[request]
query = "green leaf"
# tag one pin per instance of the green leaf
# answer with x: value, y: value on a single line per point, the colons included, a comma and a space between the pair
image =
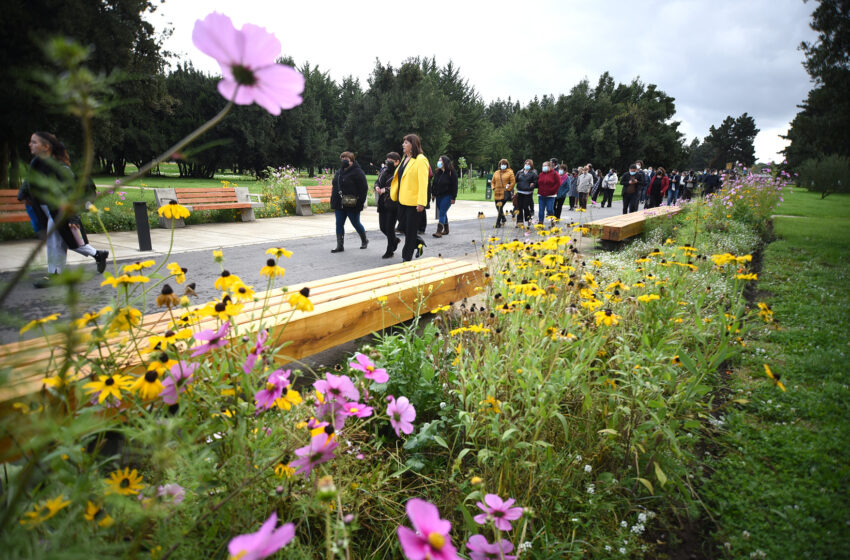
x: 509, y: 433
x: 440, y: 441
x: 609, y: 431
x: 659, y: 474
x: 646, y: 483
x: 563, y: 421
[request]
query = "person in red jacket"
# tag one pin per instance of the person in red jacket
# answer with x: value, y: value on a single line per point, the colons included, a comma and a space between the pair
x: 658, y: 185
x: 547, y: 189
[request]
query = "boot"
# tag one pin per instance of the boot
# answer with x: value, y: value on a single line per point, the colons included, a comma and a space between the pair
x: 363, y: 241
x: 446, y: 228
x: 339, y: 244
x: 420, y: 245
x: 439, y: 232
x: 100, y: 258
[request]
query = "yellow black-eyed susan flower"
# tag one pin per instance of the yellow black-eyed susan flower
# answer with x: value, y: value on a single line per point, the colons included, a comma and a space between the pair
x: 125, y: 279
x: 167, y: 297
x: 774, y: 376
x: 272, y: 269
x: 43, y: 511
x: 161, y: 342
x: 607, y: 318
x: 646, y: 298
x: 90, y: 317
x: 177, y: 271
x: 226, y: 280
x: 173, y: 211
x: 96, y: 514
x: 149, y: 385
x: 299, y: 300
x: 241, y: 292
x: 676, y: 360
x: 125, y: 482
x: 42, y: 321
x: 125, y: 319
x: 137, y: 266
x: 279, y: 252
x: 107, y: 385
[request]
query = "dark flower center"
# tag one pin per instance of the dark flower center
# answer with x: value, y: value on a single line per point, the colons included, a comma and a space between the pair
x: 497, y: 514
x: 219, y: 307
x: 225, y: 273
x: 304, y: 292
x: 243, y: 76
x: 329, y: 429
x: 151, y: 376
x: 125, y: 482
x: 163, y: 357
x: 169, y: 334
x: 167, y: 290
x: 109, y: 382
x: 270, y: 262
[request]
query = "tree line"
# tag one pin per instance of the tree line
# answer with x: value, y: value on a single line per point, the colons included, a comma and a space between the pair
x: 610, y: 124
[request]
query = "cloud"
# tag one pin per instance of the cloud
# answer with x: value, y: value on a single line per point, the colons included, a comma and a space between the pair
x: 715, y: 57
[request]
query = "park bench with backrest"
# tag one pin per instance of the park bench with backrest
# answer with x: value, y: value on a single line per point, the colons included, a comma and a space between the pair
x: 219, y: 198
x: 346, y: 307
x: 305, y: 197
x: 12, y: 209
x: 622, y: 227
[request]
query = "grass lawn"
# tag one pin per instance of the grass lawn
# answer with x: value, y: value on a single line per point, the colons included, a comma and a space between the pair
x: 782, y: 488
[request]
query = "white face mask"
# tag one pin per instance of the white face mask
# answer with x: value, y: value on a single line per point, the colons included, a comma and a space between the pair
x: 560, y: 172
x: 545, y: 169
x: 440, y: 164
x: 503, y: 167
x: 527, y: 167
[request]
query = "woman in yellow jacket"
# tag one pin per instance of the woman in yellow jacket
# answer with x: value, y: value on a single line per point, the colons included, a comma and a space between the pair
x: 503, y: 189
x: 410, y: 189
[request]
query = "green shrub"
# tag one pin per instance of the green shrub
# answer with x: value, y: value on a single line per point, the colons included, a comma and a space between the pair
x: 830, y: 174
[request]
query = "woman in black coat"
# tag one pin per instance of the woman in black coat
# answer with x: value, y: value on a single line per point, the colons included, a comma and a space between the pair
x: 387, y: 209
x: 444, y: 188
x: 51, y: 164
x: 348, y: 198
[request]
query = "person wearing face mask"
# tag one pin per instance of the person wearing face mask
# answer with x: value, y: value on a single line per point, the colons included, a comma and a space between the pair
x: 347, y: 199
x: 585, y: 183
x: 409, y: 188
x: 387, y: 209
x: 658, y: 185
x: 444, y: 188
x: 632, y: 182
x: 573, y: 192
x: 563, y: 190
x: 609, y: 184
x: 526, y: 180
x: 503, y: 189
x: 548, y: 183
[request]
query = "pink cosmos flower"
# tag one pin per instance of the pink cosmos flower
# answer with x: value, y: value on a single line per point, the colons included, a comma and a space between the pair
x: 173, y: 491
x: 401, y: 414
x: 430, y: 537
x: 213, y: 338
x: 364, y: 364
x: 333, y: 412
x: 277, y: 382
x: 180, y: 376
x: 337, y: 388
x: 263, y: 543
x: 247, y: 58
x: 481, y: 549
x: 499, y: 511
x: 357, y: 409
x: 251, y: 359
x: 319, y: 451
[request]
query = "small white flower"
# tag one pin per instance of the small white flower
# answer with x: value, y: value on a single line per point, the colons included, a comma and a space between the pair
x: 591, y: 488
x: 588, y: 468
x: 608, y: 548
x: 622, y: 550
x: 623, y: 524
x: 578, y: 458
x: 638, y: 529
x: 641, y: 517
x: 524, y: 546
x: 442, y: 405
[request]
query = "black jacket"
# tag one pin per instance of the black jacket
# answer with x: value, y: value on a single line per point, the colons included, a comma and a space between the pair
x: 384, y: 181
x: 526, y: 181
x: 37, y: 193
x: 641, y: 182
x: 350, y: 180
x: 444, y: 183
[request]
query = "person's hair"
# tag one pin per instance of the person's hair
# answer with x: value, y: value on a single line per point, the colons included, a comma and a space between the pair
x: 448, y: 167
x: 638, y: 162
x: 563, y: 166
x: 529, y: 162
x: 415, y: 144
x: 503, y: 160
x: 394, y: 156
x: 553, y: 160
x: 633, y: 166
x: 57, y: 148
x: 348, y: 155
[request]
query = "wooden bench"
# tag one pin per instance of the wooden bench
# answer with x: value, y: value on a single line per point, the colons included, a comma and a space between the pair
x: 224, y: 198
x: 305, y: 197
x: 12, y: 209
x: 624, y: 226
x: 346, y: 307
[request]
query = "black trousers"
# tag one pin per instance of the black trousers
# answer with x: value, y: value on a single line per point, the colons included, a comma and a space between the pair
x: 525, y: 207
x: 410, y: 217
x: 607, y: 195
x: 500, y: 207
x: 573, y: 202
x: 630, y: 202
x: 386, y: 221
x: 582, y: 200
x: 559, y: 205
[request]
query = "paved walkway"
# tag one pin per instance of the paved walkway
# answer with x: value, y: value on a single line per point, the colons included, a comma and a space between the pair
x: 125, y: 245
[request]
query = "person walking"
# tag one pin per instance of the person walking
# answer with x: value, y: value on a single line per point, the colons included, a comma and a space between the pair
x: 674, y: 188
x: 585, y: 183
x: 548, y: 183
x: 563, y: 190
x: 526, y: 181
x: 503, y: 189
x: 51, y: 163
x: 573, y: 192
x: 609, y: 184
x: 633, y: 185
x: 410, y: 189
x: 444, y: 187
x: 658, y: 185
x: 387, y: 209
x: 690, y: 185
x: 348, y: 198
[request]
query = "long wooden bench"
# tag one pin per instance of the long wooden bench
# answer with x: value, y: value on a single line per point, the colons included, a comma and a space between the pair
x: 346, y: 307
x: 223, y: 198
x: 621, y: 227
x: 12, y: 209
x: 306, y: 196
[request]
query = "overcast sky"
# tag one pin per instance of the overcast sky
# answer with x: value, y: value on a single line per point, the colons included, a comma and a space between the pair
x: 715, y: 57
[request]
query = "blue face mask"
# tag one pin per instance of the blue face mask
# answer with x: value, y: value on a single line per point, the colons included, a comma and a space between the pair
x: 503, y: 167
x: 527, y: 168
x: 545, y: 169
x: 632, y: 172
x: 440, y: 164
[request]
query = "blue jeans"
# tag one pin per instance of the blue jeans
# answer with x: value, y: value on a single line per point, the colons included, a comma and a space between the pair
x: 352, y: 215
x: 672, y: 195
x: 546, y: 206
x: 444, y: 202
x: 36, y: 225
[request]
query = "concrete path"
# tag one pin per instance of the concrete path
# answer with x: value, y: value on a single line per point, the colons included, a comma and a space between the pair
x: 310, y: 238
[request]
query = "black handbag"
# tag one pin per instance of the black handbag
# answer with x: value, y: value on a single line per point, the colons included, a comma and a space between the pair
x: 348, y: 200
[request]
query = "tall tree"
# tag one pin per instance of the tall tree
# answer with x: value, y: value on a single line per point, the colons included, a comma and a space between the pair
x: 733, y: 141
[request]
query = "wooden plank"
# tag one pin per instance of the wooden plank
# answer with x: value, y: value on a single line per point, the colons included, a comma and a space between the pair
x: 223, y: 206
x: 344, y: 309
x: 621, y: 227
x: 8, y: 217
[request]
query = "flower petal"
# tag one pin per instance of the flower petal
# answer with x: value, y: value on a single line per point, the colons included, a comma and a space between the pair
x: 215, y: 36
